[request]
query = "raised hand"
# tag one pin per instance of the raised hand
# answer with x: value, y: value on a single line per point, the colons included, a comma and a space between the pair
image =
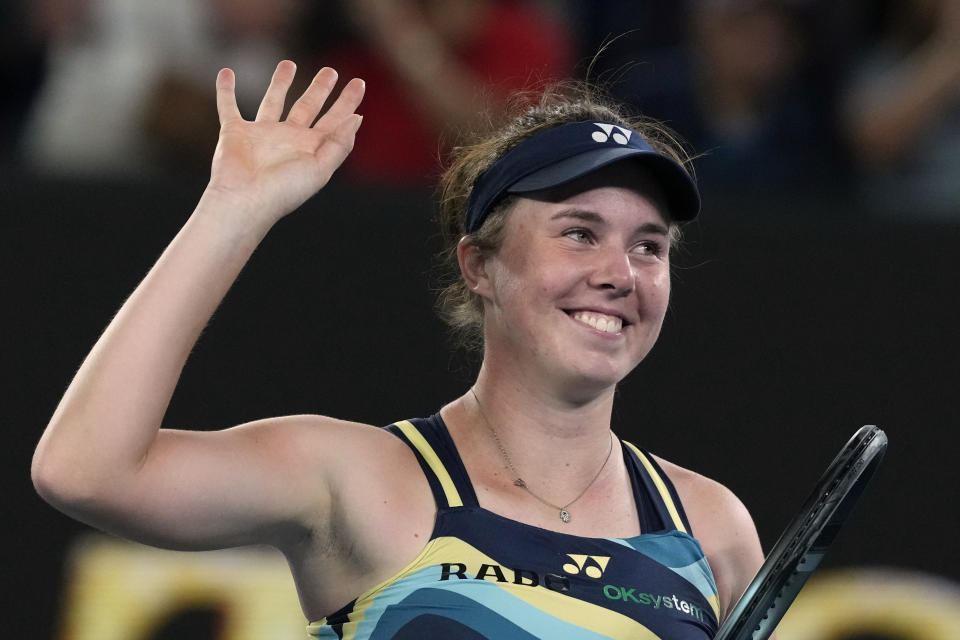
x: 275, y: 165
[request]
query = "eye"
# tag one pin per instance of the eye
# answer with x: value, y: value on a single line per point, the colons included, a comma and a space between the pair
x: 579, y: 234
x: 650, y: 248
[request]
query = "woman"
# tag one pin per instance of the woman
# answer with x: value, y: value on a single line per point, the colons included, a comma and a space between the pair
x: 512, y: 513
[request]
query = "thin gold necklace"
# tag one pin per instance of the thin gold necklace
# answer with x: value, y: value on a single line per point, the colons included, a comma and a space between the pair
x: 518, y: 481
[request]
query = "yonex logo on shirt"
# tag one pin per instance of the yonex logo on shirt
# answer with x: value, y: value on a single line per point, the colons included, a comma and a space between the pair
x: 620, y: 136
x: 591, y: 566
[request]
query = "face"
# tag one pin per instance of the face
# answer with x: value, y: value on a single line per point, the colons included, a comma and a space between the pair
x: 577, y: 293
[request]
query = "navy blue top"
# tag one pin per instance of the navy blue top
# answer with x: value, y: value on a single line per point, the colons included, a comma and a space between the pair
x: 482, y: 575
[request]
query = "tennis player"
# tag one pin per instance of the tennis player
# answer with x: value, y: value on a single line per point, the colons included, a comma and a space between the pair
x: 515, y: 511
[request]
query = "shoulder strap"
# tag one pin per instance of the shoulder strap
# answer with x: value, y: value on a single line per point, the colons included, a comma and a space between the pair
x: 438, y: 458
x: 659, y: 489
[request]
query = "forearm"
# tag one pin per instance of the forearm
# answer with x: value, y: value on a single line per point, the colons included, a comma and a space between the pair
x: 443, y: 87
x: 886, y: 118
x: 112, y: 410
x: 421, y: 58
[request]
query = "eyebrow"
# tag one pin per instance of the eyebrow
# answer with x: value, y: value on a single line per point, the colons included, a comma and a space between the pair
x: 594, y: 217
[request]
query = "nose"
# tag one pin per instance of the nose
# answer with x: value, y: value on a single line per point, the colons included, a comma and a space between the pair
x: 613, y: 271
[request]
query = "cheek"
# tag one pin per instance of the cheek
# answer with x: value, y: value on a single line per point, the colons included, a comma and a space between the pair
x: 508, y: 292
x: 662, y: 283
x: 518, y: 276
x: 524, y: 293
x: 524, y: 298
x: 655, y: 293
x: 510, y: 288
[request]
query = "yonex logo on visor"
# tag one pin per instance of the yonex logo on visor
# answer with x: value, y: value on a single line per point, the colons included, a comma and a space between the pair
x: 561, y: 154
x: 621, y: 135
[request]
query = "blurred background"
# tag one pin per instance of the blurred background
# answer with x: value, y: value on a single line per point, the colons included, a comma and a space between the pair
x: 816, y: 293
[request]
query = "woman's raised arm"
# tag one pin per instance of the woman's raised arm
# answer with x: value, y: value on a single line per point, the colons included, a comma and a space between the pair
x: 103, y: 458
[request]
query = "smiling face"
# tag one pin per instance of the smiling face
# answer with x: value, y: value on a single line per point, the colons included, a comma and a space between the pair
x: 576, y: 295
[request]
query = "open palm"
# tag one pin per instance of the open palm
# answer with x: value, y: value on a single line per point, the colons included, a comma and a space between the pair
x: 275, y: 164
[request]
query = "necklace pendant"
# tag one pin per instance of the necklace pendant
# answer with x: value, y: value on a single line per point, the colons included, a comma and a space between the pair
x: 520, y: 483
x: 564, y: 515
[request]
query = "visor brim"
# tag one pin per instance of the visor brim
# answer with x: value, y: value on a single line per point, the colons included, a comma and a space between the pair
x: 680, y: 192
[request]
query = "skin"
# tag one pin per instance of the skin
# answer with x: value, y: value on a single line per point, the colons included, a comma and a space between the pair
x: 416, y: 40
x: 547, y: 381
x: 884, y: 119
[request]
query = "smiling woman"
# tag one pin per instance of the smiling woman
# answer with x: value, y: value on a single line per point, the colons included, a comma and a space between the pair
x: 585, y: 133
x: 513, y: 512
x: 580, y: 282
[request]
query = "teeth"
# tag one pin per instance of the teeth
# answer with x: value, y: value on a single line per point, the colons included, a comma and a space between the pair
x: 599, y: 321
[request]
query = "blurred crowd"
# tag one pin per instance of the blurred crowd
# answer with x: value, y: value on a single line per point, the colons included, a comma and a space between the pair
x: 859, y: 99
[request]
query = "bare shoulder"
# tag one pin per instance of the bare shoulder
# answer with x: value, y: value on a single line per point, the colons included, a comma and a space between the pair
x: 376, y: 518
x: 354, y: 460
x: 375, y: 490
x: 357, y: 456
x: 709, y: 504
x: 724, y: 527
x: 367, y: 469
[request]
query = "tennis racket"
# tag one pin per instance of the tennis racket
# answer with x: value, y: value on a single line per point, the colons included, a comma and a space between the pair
x: 804, y: 542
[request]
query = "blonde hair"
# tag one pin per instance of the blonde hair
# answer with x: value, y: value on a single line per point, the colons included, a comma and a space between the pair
x: 559, y: 104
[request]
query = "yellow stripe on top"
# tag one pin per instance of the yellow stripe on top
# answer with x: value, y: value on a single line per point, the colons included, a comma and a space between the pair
x: 714, y: 602
x: 579, y: 614
x: 418, y: 441
x: 661, y: 487
x: 365, y: 599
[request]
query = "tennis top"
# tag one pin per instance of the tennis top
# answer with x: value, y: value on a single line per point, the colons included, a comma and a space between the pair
x: 482, y: 575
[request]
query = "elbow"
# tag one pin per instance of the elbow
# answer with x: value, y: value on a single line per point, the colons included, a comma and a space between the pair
x: 49, y: 478
x: 42, y: 472
x: 60, y: 482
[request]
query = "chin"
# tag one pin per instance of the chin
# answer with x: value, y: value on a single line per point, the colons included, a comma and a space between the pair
x: 590, y: 382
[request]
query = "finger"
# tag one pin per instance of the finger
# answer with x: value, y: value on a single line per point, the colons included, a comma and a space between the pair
x: 345, y: 104
x: 305, y: 110
x: 226, y: 99
x: 271, y: 107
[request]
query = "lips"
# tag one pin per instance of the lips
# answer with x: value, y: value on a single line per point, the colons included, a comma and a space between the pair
x: 599, y: 321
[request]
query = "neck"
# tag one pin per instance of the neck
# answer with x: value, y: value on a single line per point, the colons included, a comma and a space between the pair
x: 548, y: 437
x: 544, y: 407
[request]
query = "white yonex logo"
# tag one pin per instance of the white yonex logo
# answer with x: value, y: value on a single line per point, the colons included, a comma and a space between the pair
x: 620, y: 136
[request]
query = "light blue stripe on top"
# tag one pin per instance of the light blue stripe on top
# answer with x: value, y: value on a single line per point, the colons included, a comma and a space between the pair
x: 687, y: 560
x: 485, y: 593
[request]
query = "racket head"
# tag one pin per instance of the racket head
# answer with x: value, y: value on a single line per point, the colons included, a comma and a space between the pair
x: 806, y: 539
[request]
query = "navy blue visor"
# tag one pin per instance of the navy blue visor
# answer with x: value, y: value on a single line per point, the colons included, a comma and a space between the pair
x: 559, y: 155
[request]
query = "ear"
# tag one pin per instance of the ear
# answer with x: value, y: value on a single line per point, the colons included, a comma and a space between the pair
x: 473, y: 266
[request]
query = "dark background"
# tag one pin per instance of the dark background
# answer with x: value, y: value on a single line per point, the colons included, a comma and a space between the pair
x: 793, y: 322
